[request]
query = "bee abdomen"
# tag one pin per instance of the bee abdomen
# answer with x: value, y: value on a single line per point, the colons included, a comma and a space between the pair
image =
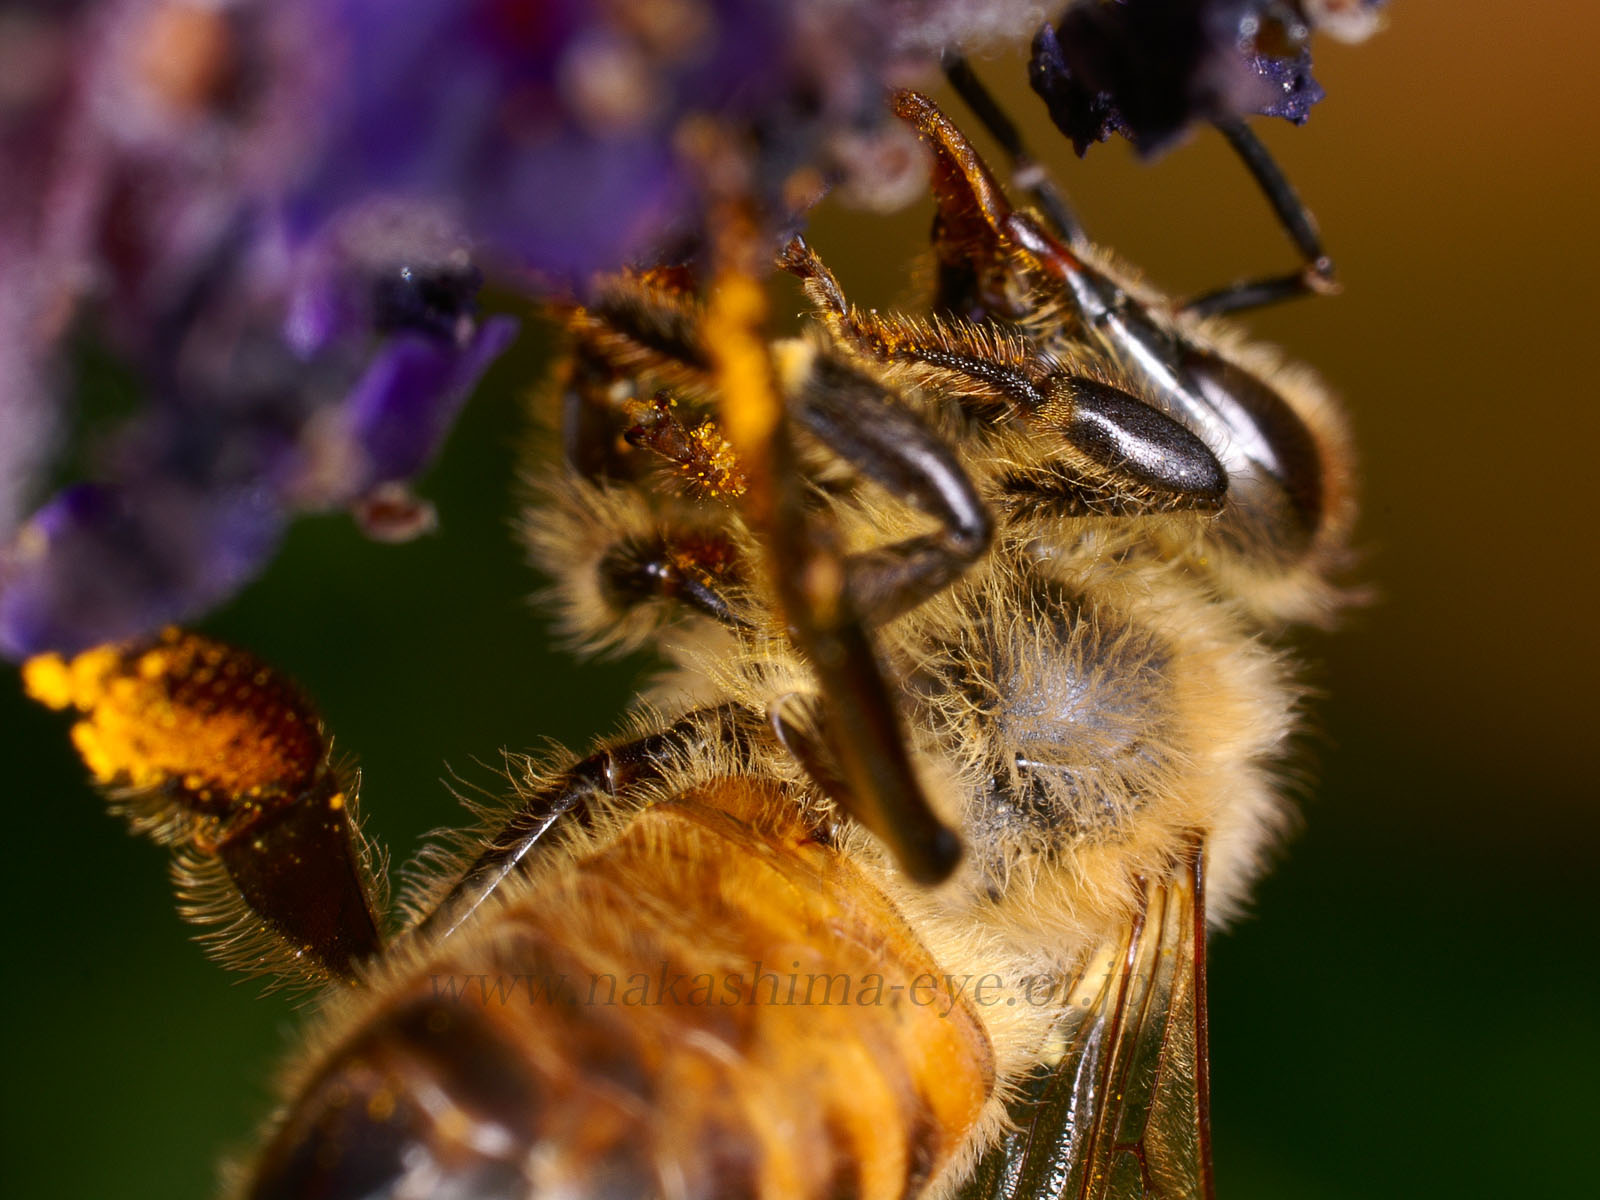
x: 772, y: 1030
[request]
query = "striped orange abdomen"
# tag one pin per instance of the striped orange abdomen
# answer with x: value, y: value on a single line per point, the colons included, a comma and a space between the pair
x: 712, y: 1004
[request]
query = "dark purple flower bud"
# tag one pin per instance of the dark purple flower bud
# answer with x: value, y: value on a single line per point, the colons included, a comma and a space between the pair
x: 1149, y: 68
x: 1084, y: 113
x: 1293, y: 90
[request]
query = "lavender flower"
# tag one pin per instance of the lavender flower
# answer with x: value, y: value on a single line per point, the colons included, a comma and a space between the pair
x: 555, y: 128
x: 276, y: 216
x: 281, y: 371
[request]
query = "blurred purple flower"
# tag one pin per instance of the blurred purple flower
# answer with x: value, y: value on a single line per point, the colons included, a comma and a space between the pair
x: 276, y: 216
x: 282, y: 371
x: 1149, y: 68
x: 100, y: 563
x: 554, y: 129
x: 320, y: 379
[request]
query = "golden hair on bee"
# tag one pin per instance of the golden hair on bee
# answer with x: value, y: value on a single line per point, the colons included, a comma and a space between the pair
x: 897, y: 882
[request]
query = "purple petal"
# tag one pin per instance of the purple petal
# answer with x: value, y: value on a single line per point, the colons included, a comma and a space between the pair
x: 100, y: 564
x: 405, y: 403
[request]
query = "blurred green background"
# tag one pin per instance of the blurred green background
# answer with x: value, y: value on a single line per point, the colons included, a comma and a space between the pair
x: 1412, y: 1009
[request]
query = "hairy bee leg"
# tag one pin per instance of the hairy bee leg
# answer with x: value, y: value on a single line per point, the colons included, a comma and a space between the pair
x: 972, y: 209
x: 1315, y: 278
x: 800, y: 728
x: 879, y: 437
x: 812, y: 579
x: 976, y: 275
x: 687, y: 570
x: 1287, y: 206
x: 1256, y: 293
x: 591, y: 441
x: 209, y: 751
x: 1026, y: 172
x: 702, y: 458
x: 1144, y: 460
x: 806, y: 745
x: 636, y: 322
x: 855, y: 417
x: 609, y: 774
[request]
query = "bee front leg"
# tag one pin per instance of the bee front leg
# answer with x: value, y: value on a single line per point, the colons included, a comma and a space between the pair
x: 869, y: 427
x: 1315, y: 278
x: 1027, y: 174
x: 694, y: 572
x: 811, y: 575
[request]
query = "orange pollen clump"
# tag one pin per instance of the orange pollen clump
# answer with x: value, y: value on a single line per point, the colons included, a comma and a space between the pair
x: 721, y: 474
x: 179, y: 712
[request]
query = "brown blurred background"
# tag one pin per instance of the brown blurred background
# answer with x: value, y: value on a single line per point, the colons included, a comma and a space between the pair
x: 1411, y: 1011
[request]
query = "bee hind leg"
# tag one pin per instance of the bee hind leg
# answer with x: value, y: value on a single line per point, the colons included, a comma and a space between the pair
x: 609, y: 774
x: 207, y: 750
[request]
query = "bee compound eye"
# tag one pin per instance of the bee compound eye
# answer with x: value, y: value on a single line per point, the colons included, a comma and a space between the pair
x: 1268, y: 431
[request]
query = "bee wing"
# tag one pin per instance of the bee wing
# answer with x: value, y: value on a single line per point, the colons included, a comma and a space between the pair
x: 1119, y: 1109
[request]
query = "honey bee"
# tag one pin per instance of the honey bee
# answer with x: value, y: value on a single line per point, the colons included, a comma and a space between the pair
x: 898, y: 883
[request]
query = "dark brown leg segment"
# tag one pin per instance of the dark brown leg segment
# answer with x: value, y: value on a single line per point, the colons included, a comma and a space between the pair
x: 694, y: 571
x: 608, y: 774
x: 811, y: 576
x: 1315, y: 278
x: 209, y: 751
x: 858, y: 420
x: 1026, y: 173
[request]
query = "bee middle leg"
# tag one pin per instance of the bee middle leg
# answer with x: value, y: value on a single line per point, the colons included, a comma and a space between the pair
x: 865, y: 424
